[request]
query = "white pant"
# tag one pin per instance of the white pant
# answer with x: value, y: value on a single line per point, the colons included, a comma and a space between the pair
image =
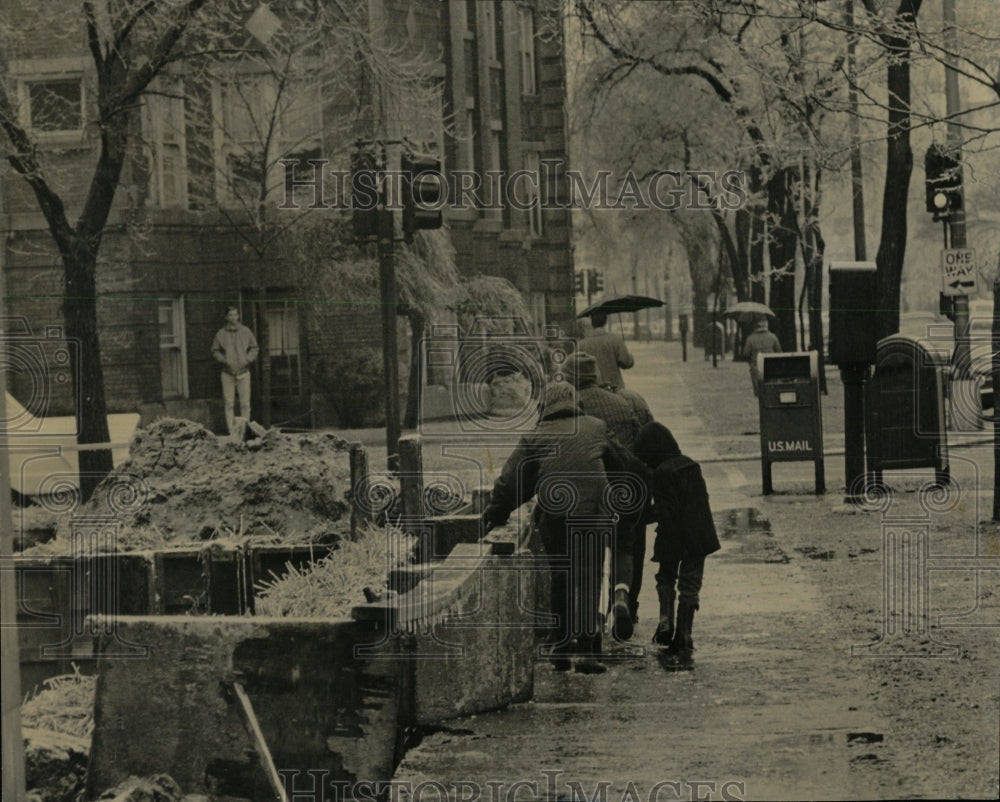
x: 231, y: 386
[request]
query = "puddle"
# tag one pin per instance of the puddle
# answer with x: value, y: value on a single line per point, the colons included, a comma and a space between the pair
x: 730, y: 523
x: 747, y: 537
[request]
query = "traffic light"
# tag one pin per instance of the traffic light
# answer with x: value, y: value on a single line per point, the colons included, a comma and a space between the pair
x: 943, y: 181
x: 423, y: 194
x: 578, y: 282
x: 598, y: 281
x: 364, y: 193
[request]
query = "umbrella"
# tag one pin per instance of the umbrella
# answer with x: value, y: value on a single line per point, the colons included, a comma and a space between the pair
x: 621, y: 303
x: 749, y: 308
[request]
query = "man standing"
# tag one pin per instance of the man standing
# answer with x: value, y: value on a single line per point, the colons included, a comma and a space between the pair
x: 762, y: 341
x: 235, y: 348
x: 608, y: 349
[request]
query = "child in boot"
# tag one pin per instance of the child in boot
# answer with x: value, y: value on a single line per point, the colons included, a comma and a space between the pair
x: 685, y: 535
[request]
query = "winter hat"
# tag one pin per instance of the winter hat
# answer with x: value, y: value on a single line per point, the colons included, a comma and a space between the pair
x: 559, y: 397
x: 584, y: 368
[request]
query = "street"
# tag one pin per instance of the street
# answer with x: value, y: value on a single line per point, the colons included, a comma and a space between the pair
x: 779, y: 705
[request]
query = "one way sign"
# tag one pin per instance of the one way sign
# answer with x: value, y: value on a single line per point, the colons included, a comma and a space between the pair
x: 958, y: 270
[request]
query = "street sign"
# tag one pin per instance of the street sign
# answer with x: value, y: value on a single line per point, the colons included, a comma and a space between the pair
x: 958, y: 271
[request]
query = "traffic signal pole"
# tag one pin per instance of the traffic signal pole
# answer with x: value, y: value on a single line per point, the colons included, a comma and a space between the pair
x: 390, y: 351
x: 956, y: 220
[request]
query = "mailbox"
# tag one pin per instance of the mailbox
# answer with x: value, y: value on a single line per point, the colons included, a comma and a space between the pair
x: 791, y: 422
x: 906, y: 413
x: 853, y: 297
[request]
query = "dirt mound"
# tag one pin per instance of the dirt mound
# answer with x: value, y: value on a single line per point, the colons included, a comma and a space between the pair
x: 184, y: 484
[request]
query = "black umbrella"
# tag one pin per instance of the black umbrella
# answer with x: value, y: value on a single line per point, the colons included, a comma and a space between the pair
x: 621, y: 303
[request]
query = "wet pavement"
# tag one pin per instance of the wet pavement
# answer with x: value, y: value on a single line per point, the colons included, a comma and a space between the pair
x: 772, y: 709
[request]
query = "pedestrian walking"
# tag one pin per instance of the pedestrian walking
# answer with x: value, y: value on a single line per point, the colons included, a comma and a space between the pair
x: 622, y: 414
x: 235, y: 348
x: 762, y: 341
x: 608, y: 349
x: 685, y: 535
x: 642, y: 415
x: 564, y: 462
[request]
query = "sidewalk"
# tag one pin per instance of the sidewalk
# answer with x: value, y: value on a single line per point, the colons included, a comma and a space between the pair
x: 776, y: 707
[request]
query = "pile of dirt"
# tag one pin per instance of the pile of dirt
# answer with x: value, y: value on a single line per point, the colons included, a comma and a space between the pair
x: 183, y: 484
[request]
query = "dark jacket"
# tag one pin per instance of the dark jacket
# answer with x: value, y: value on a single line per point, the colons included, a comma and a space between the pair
x: 684, y: 518
x: 564, y: 462
x: 617, y: 412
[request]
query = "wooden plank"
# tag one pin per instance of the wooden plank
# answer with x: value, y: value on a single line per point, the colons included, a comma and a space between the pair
x: 260, y: 744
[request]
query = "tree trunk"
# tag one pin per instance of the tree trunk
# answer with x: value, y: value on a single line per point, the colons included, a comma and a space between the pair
x: 80, y: 314
x: 995, y: 347
x: 898, y: 169
x: 742, y: 225
x: 782, y: 245
x: 263, y: 335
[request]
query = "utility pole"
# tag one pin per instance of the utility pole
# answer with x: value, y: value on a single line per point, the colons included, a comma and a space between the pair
x: 12, y: 740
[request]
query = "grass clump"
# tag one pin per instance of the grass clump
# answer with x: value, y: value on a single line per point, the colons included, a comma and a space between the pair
x: 65, y: 704
x: 330, y: 587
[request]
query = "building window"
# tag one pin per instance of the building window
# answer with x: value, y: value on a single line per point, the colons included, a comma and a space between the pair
x: 163, y: 125
x: 526, y: 20
x: 533, y: 166
x: 257, y: 125
x: 283, y: 348
x: 494, y: 146
x: 53, y: 106
x: 173, y: 348
x: 469, y: 138
x: 538, y: 316
x: 489, y: 29
x: 299, y: 126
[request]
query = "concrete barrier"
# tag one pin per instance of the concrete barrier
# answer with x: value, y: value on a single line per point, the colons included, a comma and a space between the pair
x: 322, y: 707
x: 331, y: 697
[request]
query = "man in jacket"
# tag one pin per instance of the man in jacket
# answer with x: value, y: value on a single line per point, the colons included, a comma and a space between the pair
x: 622, y: 415
x: 608, y: 349
x: 685, y: 535
x: 762, y: 341
x: 235, y: 348
x: 643, y: 415
x: 564, y: 463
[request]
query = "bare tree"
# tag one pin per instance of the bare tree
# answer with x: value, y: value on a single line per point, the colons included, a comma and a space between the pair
x: 130, y: 43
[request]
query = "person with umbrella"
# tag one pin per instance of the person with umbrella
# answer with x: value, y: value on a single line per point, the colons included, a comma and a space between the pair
x: 608, y: 349
x: 762, y: 341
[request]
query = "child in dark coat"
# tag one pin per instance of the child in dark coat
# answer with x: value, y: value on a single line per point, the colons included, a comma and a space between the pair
x: 685, y: 535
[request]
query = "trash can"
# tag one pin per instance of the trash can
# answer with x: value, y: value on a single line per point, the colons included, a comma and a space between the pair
x: 791, y: 422
x: 906, y: 409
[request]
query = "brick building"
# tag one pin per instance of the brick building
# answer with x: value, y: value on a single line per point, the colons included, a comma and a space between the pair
x: 171, y: 259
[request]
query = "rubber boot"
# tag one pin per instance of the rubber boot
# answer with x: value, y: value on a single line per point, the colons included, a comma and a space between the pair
x: 622, y: 613
x: 589, y: 661
x: 682, y: 647
x: 561, y: 656
x: 664, y: 634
